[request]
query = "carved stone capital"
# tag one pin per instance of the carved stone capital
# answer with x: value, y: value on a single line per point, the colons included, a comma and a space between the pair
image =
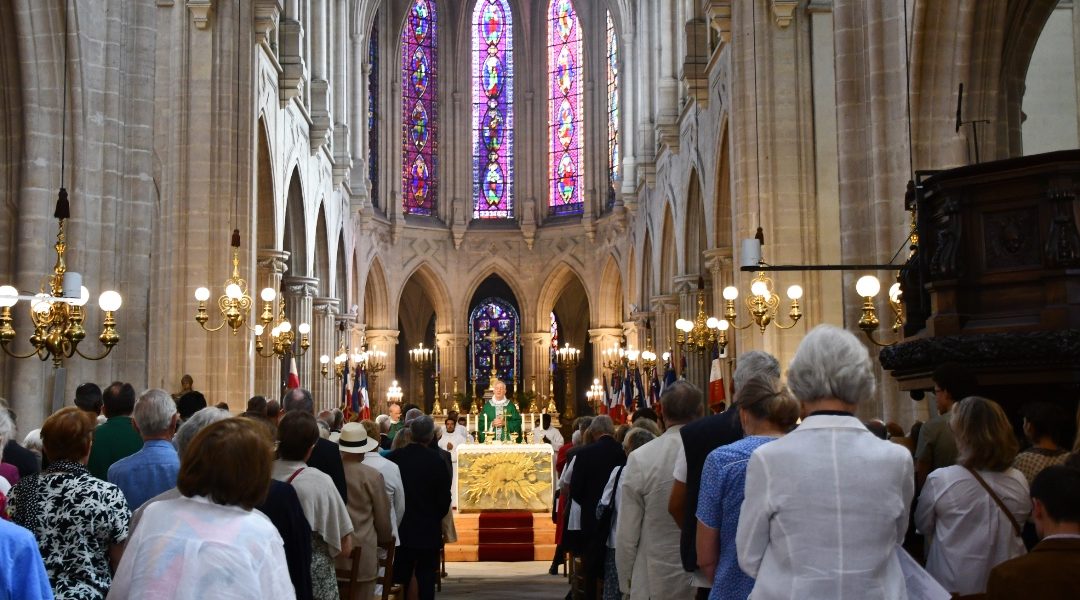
x: 301, y: 286
x: 717, y: 259
x: 784, y: 12
x: 274, y: 261
x: 451, y: 340
x: 200, y: 12
x: 718, y: 12
x: 667, y: 304
x: 606, y: 337
x: 382, y: 339
x: 325, y: 306
x: 685, y: 284
x: 266, y: 19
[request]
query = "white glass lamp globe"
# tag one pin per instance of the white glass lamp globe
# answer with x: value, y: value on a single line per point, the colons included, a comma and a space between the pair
x: 268, y: 294
x: 731, y: 292
x: 795, y: 292
x: 724, y: 325
x: 9, y: 296
x: 259, y: 329
x: 324, y: 359
x: 895, y: 292
x: 40, y: 303
x: 712, y: 323
x: 867, y: 286
x: 109, y: 301
x: 304, y: 329
x: 233, y: 291
x: 202, y: 294
x: 84, y: 297
x: 285, y: 327
x: 276, y: 331
x: 758, y: 288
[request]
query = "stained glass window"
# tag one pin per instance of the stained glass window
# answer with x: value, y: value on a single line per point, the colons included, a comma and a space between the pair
x: 564, y: 109
x: 554, y: 350
x: 497, y: 314
x: 614, y: 174
x: 493, y: 110
x: 419, y: 95
x: 373, y: 113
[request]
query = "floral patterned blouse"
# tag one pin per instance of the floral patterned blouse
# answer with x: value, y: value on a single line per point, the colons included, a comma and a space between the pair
x: 75, y: 518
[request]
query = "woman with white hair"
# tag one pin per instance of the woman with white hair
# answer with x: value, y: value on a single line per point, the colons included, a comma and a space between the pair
x: 827, y: 505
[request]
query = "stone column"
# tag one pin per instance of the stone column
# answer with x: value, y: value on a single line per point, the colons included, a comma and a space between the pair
x: 324, y: 340
x: 298, y: 293
x: 272, y: 265
x: 343, y: 126
x: 385, y: 340
x: 452, y: 363
x: 665, y: 312
x: 537, y: 363
x: 697, y: 363
x: 602, y: 339
x: 320, y: 86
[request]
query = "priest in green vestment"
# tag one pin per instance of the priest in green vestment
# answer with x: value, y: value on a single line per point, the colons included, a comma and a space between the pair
x: 500, y: 416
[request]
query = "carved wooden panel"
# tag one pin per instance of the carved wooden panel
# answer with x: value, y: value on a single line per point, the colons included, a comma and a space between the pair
x: 1011, y: 239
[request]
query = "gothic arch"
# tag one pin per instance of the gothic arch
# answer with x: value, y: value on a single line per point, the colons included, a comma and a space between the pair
x: 668, y: 252
x: 341, y: 274
x: 722, y: 231
x: 610, y: 309
x: 647, y: 288
x: 695, y: 239
x: 295, y: 236
x: 503, y: 269
x: 375, y: 309
x: 322, y: 252
x: 558, y: 281
x: 266, y: 211
x: 436, y: 292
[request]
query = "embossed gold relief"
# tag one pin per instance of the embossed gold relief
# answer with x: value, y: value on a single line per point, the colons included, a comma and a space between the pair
x: 504, y: 481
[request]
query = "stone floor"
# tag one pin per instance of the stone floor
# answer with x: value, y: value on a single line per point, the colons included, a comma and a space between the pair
x: 501, y: 580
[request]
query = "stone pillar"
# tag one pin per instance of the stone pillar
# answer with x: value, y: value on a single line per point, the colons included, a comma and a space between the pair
x: 665, y: 312
x: 324, y: 340
x: 697, y: 363
x: 602, y: 339
x: 298, y: 294
x: 387, y: 341
x: 320, y: 86
x: 537, y: 363
x: 272, y: 265
x: 452, y: 363
x: 343, y: 125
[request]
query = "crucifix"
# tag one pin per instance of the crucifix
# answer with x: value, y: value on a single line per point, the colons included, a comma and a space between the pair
x: 493, y: 337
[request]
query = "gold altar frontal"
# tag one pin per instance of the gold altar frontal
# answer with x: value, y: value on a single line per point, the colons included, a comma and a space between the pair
x: 505, y: 477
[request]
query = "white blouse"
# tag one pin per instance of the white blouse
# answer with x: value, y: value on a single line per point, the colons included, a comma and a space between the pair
x: 968, y: 532
x: 192, y: 548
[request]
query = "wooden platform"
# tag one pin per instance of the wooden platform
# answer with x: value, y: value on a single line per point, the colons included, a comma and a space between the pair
x: 467, y: 548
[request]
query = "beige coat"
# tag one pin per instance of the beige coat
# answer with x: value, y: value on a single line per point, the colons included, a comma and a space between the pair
x: 369, y: 509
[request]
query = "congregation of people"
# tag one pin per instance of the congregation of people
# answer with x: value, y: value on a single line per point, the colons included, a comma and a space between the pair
x: 787, y: 494
x: 161, y: 496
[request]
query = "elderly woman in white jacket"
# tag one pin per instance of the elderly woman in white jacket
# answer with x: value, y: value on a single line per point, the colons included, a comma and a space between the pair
x: 827, y: 505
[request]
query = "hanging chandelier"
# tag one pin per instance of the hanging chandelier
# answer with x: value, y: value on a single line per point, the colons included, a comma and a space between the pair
x: 703, y: 331
x: 763, y: 304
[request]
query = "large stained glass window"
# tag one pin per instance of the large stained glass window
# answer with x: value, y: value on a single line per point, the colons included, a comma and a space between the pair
x: 373, y: 113
x: 493, y: 110
x: 614, y: 174
x: 498, y: 315
x: 564, y: 109
x: 419, y: 95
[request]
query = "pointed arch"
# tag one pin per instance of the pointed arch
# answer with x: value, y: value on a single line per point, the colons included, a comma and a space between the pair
x: 341, y: 275
x: 648, y: 286
x: 322, y: 252
x: 419, y: 109
x: 504, y: 270
x: 266, y: 209
x: 376, y: 298
x: 559, y: 279
x: 610, y: 299
x: 668, y: 252
x: 295, y: 231
x: 433, y: 286
x: 695, y: 240
x: 565, y: 109
x: 722, y: 233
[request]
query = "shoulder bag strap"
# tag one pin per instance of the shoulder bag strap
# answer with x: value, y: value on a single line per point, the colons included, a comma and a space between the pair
x: 297, y: 472
x: 997, y: 500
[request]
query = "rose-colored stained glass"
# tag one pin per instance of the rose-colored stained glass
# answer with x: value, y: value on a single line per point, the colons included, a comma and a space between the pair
x: 565, y: 109
x: 493, y: 110
x: 614, y: 169
x: 419, y: 99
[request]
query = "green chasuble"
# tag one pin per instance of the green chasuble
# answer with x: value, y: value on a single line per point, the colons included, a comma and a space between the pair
x: 511, y: 430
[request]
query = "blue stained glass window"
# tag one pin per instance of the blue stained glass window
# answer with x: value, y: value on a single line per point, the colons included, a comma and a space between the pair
x: 419, y: 119
x: 497, y: 314
x: 614, y: 169
x: 493, y: 110
x: 373, y: 113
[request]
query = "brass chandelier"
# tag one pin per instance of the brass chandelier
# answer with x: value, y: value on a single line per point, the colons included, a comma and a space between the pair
x: 763, y: 304
x: 703, y: 331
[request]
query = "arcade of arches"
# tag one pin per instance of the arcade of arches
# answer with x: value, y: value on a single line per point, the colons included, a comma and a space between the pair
x: 394, y: 166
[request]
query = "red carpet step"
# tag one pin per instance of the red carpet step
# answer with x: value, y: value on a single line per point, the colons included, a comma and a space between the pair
x: 506, y: 536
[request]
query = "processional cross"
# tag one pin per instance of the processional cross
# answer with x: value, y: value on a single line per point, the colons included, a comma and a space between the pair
x: 493, y: 337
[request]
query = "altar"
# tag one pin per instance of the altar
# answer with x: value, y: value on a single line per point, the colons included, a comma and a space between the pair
x: 505, y: 477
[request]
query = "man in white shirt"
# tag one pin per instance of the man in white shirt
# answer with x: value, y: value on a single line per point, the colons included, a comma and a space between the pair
x: 547, y: 433
x: 646, y: 538
x: 452, y: 437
